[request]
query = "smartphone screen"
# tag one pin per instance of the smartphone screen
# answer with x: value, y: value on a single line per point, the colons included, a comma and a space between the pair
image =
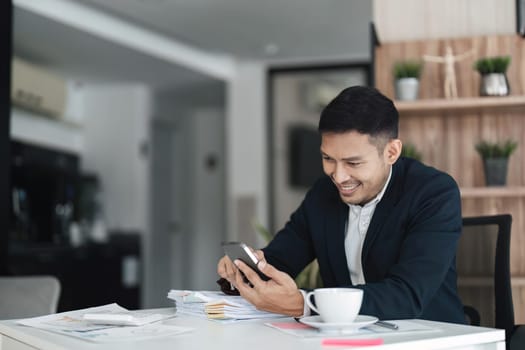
x: 239, y: 250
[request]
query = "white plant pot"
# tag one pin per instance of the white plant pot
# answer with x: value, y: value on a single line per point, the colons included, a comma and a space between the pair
x: 494, y: 84
x: 407, y: 89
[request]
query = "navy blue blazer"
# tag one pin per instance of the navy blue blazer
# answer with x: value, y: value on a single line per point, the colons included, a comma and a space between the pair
x: 409, y: 253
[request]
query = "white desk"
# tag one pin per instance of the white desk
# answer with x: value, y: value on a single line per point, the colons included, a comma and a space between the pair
x: 251, y: 335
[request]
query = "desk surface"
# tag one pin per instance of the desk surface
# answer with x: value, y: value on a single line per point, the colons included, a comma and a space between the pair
x: 252, y: 335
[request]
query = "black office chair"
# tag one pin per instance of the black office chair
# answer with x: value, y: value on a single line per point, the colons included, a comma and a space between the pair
x: 483, y: 264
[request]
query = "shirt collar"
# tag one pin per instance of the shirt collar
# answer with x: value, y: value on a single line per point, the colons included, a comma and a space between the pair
x: 380, y: 194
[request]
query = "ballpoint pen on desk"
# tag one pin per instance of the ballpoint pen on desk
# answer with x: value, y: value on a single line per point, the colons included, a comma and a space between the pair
x: 388, y: 325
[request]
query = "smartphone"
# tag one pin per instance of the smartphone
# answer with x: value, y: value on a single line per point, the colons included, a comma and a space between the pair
x: 239, y: 250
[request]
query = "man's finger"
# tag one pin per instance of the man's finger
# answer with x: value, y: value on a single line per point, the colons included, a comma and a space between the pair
x: 230, y: 269
x: 227, y: 269
x: 259, y: 254
x: 222, y: 267
x: 277, y: 276
x: 240, y: 282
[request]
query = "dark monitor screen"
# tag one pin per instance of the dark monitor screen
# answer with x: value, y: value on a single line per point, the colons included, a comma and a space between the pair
x: 305, y: 156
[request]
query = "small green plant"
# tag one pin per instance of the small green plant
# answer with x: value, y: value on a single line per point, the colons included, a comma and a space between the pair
x: 410, y: 151
x: 496, y: 150
x: 488, y: 65
x: 263, y: 231
x: 407, y: 69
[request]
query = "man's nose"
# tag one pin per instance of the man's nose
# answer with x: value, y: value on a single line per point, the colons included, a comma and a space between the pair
x: 340, y: 174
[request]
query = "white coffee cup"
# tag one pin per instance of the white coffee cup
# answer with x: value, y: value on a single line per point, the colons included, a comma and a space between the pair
x: 336, y: 305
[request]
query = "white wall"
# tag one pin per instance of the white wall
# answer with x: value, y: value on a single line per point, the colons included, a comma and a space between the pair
x: 246, y: 142
x: 160, y: 246
x: 398, y: 20
x: 206, y: 198
x: 116, y: 119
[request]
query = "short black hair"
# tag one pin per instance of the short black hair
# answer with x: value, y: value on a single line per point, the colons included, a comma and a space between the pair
x: 363, y: 109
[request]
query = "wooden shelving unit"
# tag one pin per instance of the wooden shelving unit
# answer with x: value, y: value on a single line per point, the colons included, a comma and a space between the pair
x: 446, y: 131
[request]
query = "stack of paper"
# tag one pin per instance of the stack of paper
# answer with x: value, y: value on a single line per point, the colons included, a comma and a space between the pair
x: 74, y: 324
x: 216, y: 305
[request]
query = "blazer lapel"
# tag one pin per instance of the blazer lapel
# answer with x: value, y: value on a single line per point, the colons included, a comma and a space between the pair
x: 383, y: 209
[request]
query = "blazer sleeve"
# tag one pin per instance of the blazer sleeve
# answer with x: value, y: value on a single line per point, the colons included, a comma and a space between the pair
x: 292, y: 249
x: 295, y: 245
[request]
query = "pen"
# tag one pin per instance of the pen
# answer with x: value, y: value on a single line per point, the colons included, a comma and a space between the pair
x: 388, y: 325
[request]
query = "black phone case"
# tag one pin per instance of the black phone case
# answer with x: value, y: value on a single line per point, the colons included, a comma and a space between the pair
x: 236, y: 250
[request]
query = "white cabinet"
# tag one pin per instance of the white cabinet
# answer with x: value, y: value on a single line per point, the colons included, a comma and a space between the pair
x: 39, y: 130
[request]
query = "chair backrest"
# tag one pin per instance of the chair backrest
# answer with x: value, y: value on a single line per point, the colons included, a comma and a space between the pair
x: 483, y: 265
x: 28, y: 296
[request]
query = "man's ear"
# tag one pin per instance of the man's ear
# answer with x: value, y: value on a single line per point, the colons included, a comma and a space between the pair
x: 393, y: 150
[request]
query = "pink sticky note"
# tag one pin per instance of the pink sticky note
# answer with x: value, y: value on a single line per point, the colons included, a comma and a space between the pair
x: 352, y: 342
x: 290, y: 325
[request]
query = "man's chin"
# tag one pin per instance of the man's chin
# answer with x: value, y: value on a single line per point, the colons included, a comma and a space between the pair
x: 353, y: 199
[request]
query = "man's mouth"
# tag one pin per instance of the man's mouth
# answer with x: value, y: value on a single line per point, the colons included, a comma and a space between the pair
x: 349, y: 189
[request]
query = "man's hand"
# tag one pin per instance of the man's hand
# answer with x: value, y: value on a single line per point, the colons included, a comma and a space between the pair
x: 227, y: 270
x: 279, y: 294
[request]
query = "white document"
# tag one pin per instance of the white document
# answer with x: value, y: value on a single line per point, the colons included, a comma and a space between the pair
x: 216, y: 306
x: 72, y: 323
x: 125, y: 318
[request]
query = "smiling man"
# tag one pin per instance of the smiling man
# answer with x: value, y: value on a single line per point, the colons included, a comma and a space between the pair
x: 378, y: 222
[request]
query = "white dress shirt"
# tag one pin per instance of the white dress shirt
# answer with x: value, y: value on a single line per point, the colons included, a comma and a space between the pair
x: 359, y: 218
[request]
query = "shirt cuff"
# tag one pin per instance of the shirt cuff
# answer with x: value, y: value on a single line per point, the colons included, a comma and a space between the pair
x: 306, y: 309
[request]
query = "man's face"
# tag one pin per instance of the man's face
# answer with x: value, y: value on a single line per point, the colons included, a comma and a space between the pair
x: 355, y: 165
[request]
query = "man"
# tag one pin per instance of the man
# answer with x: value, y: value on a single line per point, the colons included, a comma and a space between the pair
x: 378, y: 222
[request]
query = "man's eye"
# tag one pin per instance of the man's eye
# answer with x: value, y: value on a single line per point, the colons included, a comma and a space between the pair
x: 326, y: 158
x: 353, y: 164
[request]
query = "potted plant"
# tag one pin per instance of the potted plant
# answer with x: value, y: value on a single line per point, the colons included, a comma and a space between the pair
x: 406, y: 78
x: 493, y: 75
x: 495, y: 158
x: 410, y: 151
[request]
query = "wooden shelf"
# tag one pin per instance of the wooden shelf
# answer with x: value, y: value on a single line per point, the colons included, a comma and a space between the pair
x: 487, y: 192
x: 460, y: 104
x: 487, y: 281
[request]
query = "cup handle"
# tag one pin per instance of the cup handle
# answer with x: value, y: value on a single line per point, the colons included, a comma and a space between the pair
x: 309, y: 302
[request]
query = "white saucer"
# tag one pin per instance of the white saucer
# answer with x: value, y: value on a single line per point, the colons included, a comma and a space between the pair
x: 346, y: 327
